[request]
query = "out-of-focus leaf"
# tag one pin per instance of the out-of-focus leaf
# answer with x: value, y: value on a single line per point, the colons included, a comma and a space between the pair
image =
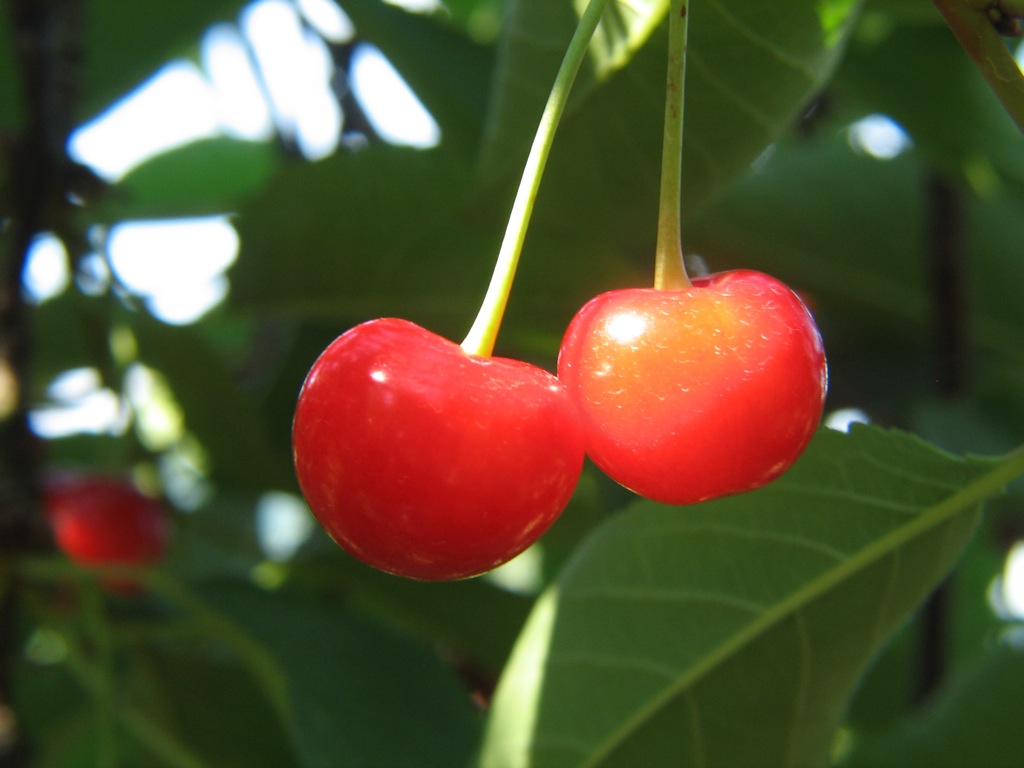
x: 201, y: 178
x: 475, y: 620
x: 54, y: 712
x: 732, y: 633
x: 360, y: 234
x: 209, y: 702
x: 10, y: 85
x: 362, y: 693
x: 972, y: 722
x: 71, y: 332
x: 480, y: 18
x: 217, y: 411
x: 217, y: 540
x: 885, y: 12
x: 447, y: 71
x: 953, y: 117
x: 850, y: 231
x: 126, y: 43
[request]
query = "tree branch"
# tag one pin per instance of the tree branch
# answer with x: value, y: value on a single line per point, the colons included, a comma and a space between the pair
x: 979, y: 25
x: 45, y: 35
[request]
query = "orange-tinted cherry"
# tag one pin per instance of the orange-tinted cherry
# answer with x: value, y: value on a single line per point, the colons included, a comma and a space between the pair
x: 693, y: 393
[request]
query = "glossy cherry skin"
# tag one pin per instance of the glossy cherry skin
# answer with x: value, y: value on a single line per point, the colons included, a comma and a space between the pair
x: 99, y: 520
x: 697, y: 393
x: 427, y: 462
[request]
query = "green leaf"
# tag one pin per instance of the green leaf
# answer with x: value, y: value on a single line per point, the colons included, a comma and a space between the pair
x: 535, y: 35
x: 361, y: 234
x: 971, y: 722
x: 127, y: 42
x: 362, y: 693
x: 210, y: 702
x: 732, y: 633
x: 751, y: 68
x: 217, y: 411
x: 394, y: 231
x: 201, y: 178
x: 448, y: 72
x: 951, y: 114
x: 851, y: 231
x: 10, y: 83
x: 473, y: 618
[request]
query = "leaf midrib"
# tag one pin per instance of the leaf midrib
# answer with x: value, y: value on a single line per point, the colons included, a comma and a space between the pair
x: 1007, y: 470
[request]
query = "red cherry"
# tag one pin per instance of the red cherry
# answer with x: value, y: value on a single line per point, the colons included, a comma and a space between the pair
x: 428, y: 462
x: 696, y: 393
x: 105, y: 521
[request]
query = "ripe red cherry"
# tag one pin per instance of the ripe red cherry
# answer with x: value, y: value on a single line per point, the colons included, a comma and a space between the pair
x: 99, y: 520
x: 428, y: 462
x: 700, y: 392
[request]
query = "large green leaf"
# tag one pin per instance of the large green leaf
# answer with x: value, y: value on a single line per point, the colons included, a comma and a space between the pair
x: 732, y: 633
x: 533, y: 42
x: 359, y: 234
x: 398, y: 231
x: 394, y: 231
x: 751, y: 67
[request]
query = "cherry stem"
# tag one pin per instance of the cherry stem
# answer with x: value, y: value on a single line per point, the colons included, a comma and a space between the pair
x: 669, y: 269
x: 979, y: 26
x: 484, y: 331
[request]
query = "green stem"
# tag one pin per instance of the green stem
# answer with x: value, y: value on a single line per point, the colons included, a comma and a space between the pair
x: 96, y: 624
x: 669, y: 270
x: 147, y: 732
x: 977, y: 24
x: 484, y: 332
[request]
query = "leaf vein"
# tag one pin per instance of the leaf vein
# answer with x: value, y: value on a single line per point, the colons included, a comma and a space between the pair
x: 743, y: 103
x: 633, y: 595
x: 791, y: 61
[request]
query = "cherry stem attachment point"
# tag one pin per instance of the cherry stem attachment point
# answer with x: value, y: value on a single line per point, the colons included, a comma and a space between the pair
x: 484, y: 331
x: 669, y: 270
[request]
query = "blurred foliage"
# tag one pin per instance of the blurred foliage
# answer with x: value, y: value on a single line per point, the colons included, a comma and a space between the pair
x: 782, y: 625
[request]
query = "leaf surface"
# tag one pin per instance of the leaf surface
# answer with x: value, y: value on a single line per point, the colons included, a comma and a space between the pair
x: 732, y: 633
x: 126, y: 43
x: 362, y: 693
x: 751, y: 67
x: 448, y: 72
x: 204, y: 177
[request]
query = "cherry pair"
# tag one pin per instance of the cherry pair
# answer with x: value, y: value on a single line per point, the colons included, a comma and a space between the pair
x: 429, y: 462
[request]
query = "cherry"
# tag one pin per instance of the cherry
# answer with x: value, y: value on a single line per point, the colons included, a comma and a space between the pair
x: 698, y: 392
x: 100, y: 520
x: 426, y: 461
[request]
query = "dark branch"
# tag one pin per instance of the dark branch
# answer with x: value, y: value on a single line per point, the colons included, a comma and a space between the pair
x: 45, y: 40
